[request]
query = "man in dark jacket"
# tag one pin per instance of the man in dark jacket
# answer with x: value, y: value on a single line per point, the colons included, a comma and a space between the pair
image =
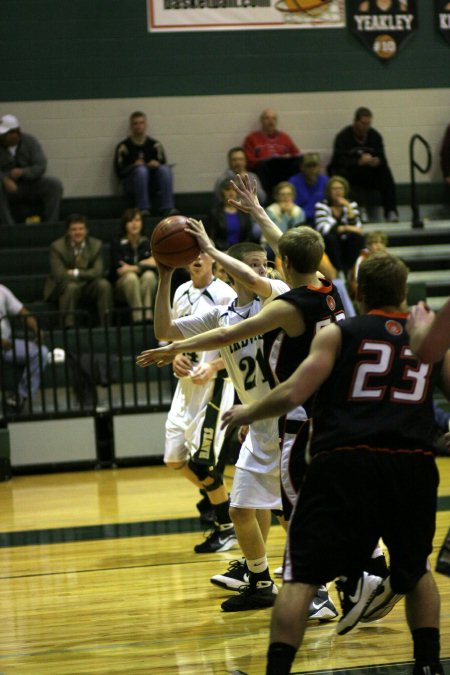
x: 22, y: 168
x: 359, y: 156
x: 76, y: 272
x: 140, y: 162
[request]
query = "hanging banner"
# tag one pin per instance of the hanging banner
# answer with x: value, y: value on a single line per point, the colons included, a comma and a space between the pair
x: 382, y: 25
x: 443, y: 18
x: 209, y: 15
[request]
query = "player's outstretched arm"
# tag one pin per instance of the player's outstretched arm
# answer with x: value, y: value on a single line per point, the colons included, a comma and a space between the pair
x: 235, y: 268
x: 274, y: 315
x: 302, y: 384
x: 164, y: 327
x: 248, y: 202
x: 429, y: 333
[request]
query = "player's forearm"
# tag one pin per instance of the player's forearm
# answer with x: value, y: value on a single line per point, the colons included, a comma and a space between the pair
x: 276, y: 403
x: 204, y: 342
x: 270, y: 230
x: 241, y: 272
x: 163, y: 324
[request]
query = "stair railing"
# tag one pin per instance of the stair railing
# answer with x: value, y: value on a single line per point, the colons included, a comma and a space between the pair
x: 413, y: 165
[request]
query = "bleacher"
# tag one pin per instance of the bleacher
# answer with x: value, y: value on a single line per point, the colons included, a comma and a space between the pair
x: 127, y: 389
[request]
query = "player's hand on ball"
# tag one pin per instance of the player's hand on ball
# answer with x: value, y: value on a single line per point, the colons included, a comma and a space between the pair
x: 197, y: 229
x: 236, y: 416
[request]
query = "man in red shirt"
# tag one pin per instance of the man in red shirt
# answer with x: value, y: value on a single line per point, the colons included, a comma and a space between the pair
x: 271, y: 153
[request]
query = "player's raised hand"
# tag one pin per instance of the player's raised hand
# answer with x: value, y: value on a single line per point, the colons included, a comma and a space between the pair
x: 420, y: 318
x: 246, y: 190
x: 197, y: 229
x: 236, y: 416
x: 160, y: 356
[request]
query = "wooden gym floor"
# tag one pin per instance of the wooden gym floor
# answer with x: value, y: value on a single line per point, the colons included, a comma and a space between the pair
x: 98, y: 576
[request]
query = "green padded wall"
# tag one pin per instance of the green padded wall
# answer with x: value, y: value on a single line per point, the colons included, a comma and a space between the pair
x: 81, y: 49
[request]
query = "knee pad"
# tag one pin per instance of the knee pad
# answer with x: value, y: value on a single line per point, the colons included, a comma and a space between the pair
x: 202, y: 472
x: 217, y: 480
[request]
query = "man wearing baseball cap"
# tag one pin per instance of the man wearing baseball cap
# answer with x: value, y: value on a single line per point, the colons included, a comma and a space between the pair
x: 22, y: 168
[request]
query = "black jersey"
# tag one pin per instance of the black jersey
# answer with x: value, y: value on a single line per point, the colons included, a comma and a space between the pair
x: 319, y: 307
x: 378, y: 394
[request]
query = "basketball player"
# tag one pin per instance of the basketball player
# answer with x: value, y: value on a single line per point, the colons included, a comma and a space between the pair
x: 193, y: 438
x: 293, y: 322
x: 256, y: 484
x: 305, y: 248
x: 365, y: 480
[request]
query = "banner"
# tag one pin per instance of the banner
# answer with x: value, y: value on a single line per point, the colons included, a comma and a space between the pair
x: 382, y: 25
x: 443, y: 18
x: 209, y: 15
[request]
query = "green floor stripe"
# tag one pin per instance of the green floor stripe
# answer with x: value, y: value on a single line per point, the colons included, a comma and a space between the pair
x: 61, y: 535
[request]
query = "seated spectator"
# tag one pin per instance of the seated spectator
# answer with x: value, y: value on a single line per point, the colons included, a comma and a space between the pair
x: 445, y: 159
x: 140, y: 164
x: 76, y: 272
x: 309, y: 185
x: 22, y: 180
x: 376, y: 242
x: 227, y: 225
x: 271, y: 153
x: 284, y: 211
x: 133, y: 269
x: 337, y: 219
x: 237, y: 166
x: 359, y: 156
x: 18, y: 351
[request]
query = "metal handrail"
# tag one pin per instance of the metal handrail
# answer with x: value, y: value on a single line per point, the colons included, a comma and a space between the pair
x: 416, y: 220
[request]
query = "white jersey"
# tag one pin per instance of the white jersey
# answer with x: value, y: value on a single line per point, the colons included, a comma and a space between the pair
x: 190, y: 301
x: 185, y: 424
x: 245, y: 364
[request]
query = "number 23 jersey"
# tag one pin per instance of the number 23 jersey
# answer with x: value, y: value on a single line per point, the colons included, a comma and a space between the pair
x: 378, y: 393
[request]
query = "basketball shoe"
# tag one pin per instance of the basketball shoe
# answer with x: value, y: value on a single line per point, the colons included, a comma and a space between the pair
x: 383, y: 602
x: 252, y: 597
x: 322, y: 607
x: 355, y: 596
x: 221, y: 538
x: 433, y: 669
x: 234, y: 578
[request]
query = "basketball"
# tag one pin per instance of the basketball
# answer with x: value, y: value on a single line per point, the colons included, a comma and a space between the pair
x: 172, y: 245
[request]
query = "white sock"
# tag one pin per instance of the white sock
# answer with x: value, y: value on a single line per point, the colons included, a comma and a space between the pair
x: 258, y: 565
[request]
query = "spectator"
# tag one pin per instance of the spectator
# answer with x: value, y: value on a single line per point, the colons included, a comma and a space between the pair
x: 271, y: 153
x: 237, y: 166
x: 21, y: 352
x: 76, y: 272
x: 337, y: 219
x: 376, y: 242
x: 140, y: 164
x: 359, y: 156
x: 284, y: 211
x: 226, y: 224
x: 309, y: 185
x: 133, y: 268
x: 22, y: 168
